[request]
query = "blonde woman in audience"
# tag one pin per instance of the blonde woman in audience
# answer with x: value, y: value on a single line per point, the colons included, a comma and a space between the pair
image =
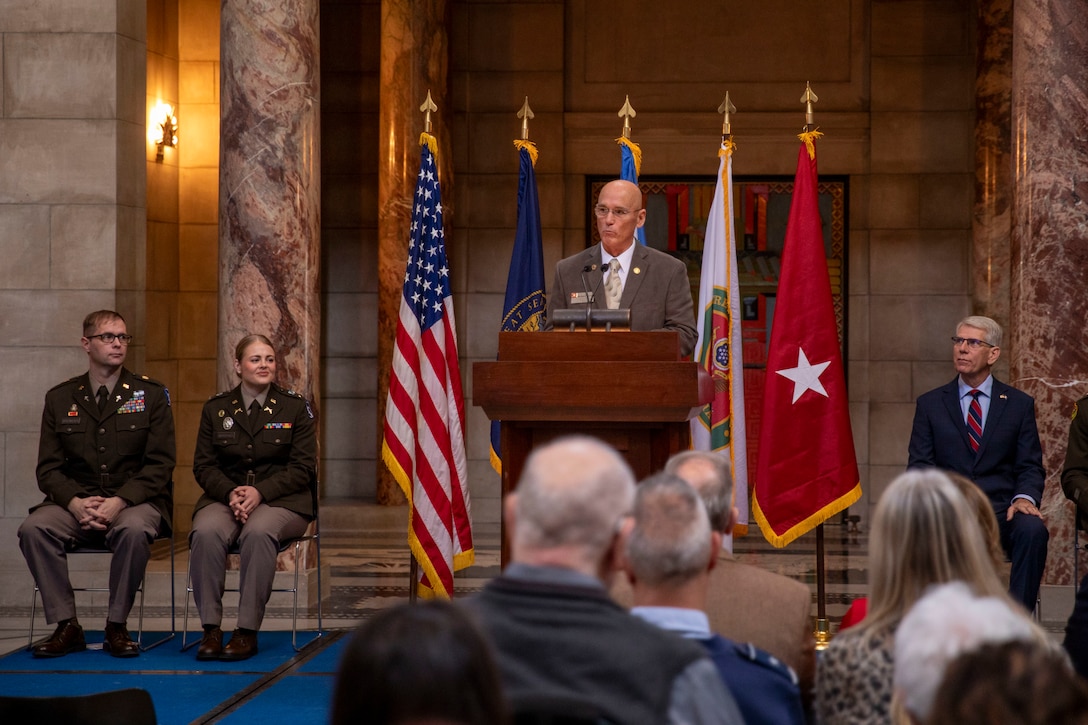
x: 986, y: 521
x: 924, y: 532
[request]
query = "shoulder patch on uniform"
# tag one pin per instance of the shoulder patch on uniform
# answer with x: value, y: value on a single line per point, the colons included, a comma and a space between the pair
x: 754, y: 654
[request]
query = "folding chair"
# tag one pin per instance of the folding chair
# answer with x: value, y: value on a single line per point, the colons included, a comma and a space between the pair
x: 81, y: 550
x: 312, y: 534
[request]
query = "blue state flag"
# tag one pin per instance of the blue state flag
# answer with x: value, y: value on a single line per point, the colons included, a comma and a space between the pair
x: 630, y: 161
x: 524, y: 309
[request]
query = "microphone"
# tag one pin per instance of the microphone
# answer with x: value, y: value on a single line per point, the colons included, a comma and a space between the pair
x: 589, y: 295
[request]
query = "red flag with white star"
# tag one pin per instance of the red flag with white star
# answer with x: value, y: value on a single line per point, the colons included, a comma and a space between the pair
x: 807, y: 470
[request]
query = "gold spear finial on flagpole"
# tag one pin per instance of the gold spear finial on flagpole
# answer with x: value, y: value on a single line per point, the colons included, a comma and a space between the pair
x: 727, y: 108
x: 627, y: 113
x: 525, y: 114
x: 426, y: 108
x: 808, y: 98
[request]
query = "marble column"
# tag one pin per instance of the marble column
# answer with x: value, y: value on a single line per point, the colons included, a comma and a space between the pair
x: 414, y: 61
x: 1049, y: 251
x: 270, y: 186
x: 992, y: 223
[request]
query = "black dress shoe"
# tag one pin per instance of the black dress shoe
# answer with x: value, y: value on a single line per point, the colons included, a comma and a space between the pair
x: 242, y: 646
x: 117, y: 641
x: 67, y: 638
x: 211, y: 645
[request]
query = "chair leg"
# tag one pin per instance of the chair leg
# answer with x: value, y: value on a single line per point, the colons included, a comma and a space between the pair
x: 33, y: 612
x: 294, y: 606
x: 173, y: 628
x: 185, y: 615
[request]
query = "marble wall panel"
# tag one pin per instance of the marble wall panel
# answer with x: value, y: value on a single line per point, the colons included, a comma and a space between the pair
x: 945, y: 201
x: 479, y: 328
x: 61, y: 75
x: 497, y: 90
x: 920, y: 27
x: 199, y: 141
x: 923, y: 83
x: 890, y: 381
x: 353, y: 478
x: 64, y: 16
x: 198, y: 81
x: 921, y: 143
x: 196, y: 332
x: 352, y: 316
x: 160, y: 334
x: 24, y: 245
x: 162, y: 189
x: 914, y: 327
x: 32, y: 370
x: 130, y: 261
x: 88, y: 236
x: 857, y: 380
x: 348, y: 377
x: 511, y: 36
x: 349, y: 262
x: 920, y: 262
x: 54, y: 320
x: 350, y: 201
x: 198, y: 29
x: 893, y: 201
x: 196, y: 379
x: 349, y: 428
x: 889, y: 432
x: 344, y: 136
x: 199, y: 244
x: 58, y: 161
x: 197, y: 199
x: 929, y: 374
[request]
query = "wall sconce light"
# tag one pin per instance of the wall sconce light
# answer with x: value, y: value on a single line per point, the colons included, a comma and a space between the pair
x: 164, y: 129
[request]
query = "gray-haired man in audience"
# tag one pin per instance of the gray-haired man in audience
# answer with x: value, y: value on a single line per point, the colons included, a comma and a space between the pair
x: 557, y: 633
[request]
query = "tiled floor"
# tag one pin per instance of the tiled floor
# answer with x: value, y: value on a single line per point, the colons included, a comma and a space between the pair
x: 365, y: 549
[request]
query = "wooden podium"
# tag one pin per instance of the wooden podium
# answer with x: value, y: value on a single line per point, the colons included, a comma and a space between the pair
x: 630, y: 389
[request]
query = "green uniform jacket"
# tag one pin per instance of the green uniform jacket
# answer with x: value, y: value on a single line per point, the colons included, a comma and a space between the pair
x: 280, y: 450
x: 127, y: 450
x: 1075, y: 472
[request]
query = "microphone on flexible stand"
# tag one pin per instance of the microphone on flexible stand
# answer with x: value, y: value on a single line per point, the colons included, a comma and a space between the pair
x: 589, y: 295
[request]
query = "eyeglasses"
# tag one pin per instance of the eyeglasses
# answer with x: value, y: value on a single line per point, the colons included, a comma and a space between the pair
x: 971, y: 342
x: 602, y: 211
x: 109, y: 337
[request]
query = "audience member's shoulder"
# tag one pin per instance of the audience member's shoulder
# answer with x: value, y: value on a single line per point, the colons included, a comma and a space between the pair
x: 763, y: 660
x: 762, y: 577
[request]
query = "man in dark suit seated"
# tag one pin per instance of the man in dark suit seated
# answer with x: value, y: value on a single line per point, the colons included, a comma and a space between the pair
x: 670, y: 553
x: 985, y: 430
x: 105, y: 461
x: 652, y: 284
x: 556, y: 632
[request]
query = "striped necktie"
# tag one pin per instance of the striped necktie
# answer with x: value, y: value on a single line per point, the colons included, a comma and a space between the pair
x: 974, y: 420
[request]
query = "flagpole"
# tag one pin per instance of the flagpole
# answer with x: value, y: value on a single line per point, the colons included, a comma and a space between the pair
x: 822, y: 633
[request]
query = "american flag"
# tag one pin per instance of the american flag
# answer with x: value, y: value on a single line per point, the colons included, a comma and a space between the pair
x: 424, y: 443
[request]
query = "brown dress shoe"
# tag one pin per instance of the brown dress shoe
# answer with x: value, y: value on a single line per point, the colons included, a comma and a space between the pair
x: 67, y: 638
x: 241, y: 646
x: 211, y: 645
x: 118, y: 643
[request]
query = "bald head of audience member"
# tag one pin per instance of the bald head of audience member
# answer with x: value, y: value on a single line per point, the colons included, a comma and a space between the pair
x: 671, y: 547
x: 712, y: 478
x: 572, y: 498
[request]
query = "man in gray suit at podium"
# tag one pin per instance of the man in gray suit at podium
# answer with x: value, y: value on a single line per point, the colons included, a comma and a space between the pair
x: 620, y: 274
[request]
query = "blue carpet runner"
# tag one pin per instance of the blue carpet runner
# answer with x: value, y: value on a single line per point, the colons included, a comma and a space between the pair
x: 277, y: 685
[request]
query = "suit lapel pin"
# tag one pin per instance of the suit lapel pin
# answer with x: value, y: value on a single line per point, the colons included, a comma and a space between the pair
x: 637, y: 270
